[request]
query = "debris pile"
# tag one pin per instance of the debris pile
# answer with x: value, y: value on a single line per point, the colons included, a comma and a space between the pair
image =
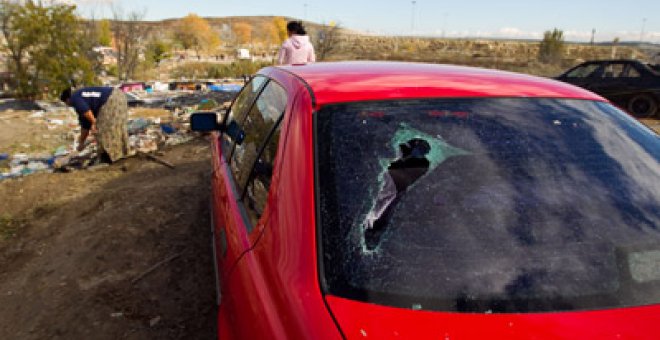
x: 147, y: 134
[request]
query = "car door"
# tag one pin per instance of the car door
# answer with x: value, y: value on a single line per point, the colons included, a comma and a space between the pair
x: 250, y: 169
x: 273, y: 288
x: 647, y: 79
x: 228, y: 237
x: 613, y: 81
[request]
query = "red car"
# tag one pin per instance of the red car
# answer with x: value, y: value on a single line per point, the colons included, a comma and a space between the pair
x: 401, y: 200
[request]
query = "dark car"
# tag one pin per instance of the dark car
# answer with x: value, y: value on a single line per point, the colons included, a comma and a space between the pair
x: 630, y: 84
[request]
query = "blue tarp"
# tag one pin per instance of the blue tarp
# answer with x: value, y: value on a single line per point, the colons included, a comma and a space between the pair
x: 225, y: 88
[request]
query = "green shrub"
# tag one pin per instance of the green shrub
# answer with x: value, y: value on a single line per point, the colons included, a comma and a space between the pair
x: 552, y: 46
x: 212, y: 70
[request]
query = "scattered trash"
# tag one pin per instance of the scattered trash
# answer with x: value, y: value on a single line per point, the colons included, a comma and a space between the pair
x: 178, y: 138
x: 137, y: 125
x: 207, y: 104
x: 167, y: 128
x: 146, y: 134
x: 226, y: 88
x: 61, y: 151
x: 37, y: 166
x: 19, y: 158
x: 117, y: 315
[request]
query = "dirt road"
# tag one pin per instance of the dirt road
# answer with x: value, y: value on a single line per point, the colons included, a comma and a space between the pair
x: 118, y: 253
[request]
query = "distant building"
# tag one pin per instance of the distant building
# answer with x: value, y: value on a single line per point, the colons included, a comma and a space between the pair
x: 243, y: 54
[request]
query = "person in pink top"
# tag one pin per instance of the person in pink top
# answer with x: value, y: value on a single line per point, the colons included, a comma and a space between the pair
x: 297, y: 49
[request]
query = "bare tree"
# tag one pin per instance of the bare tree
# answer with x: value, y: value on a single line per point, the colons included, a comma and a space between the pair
x: 327, y: 40
x: 129, y: 33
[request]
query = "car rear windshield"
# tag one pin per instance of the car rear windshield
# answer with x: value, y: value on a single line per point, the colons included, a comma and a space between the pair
x: 488, y: 205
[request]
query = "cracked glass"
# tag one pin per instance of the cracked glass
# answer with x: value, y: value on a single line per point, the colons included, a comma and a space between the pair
x: 487, y: 205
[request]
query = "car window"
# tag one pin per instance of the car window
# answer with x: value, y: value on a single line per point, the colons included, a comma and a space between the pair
x: 631, y: 72
x: 256, y: 192
x: 257, y: 127
x: 244, y: 100
x: 488, y: 204
x: 614, y: 70
x: 583, y: 71
x: 241, y: 105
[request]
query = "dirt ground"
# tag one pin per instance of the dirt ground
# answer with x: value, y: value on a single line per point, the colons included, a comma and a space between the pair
x: 122, y: 252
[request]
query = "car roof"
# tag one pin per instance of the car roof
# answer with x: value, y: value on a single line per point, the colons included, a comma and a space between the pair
x: 602, y: 61
x: 338, y: 82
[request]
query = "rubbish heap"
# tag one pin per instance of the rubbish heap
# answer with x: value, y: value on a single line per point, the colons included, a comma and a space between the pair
x: 146, y: 135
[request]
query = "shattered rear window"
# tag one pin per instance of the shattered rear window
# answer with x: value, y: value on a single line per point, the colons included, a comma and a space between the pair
x: 488, y: 205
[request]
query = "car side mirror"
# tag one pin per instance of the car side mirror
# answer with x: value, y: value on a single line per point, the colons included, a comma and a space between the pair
x: 235, y: 132
x: 205, y: 122
x: 208, y: 121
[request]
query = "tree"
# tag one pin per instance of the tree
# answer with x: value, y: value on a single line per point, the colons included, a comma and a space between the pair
x: 280, y: 26
x: 104, y: 29
x: 551, y: 49
x: 157, y: 50
x: 129, y: 35
x: 327, y: 40
x: 243, y: 32
x: 193, y: 32
x: 45, y: 46
x: 268, y: 33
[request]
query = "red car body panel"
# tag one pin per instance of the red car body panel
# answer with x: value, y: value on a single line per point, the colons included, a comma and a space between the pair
x: 225, y: 210
x: 270, y: 276
x: 273, y: 291
x: 359, y: 81
x: 364, y: 320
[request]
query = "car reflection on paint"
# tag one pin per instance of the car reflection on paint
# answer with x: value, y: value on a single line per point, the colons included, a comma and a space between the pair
x: 384, y: 200
x: 630, y: 84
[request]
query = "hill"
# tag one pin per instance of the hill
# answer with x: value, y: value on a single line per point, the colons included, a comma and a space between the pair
x: 513, y: 55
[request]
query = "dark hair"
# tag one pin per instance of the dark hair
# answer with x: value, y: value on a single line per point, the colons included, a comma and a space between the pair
x: 66, y: 94
x: 296, y: 27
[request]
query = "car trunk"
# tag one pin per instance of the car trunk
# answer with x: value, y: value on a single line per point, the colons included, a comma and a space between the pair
x: 365, y: 320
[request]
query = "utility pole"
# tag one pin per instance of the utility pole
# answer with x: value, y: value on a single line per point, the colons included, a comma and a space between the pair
x: 593, y: 34
x: 412, y: 18
x: 641, y: 33
x: 305, y: 12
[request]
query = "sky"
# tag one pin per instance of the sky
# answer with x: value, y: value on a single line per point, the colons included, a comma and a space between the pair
x: 519, y: 19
